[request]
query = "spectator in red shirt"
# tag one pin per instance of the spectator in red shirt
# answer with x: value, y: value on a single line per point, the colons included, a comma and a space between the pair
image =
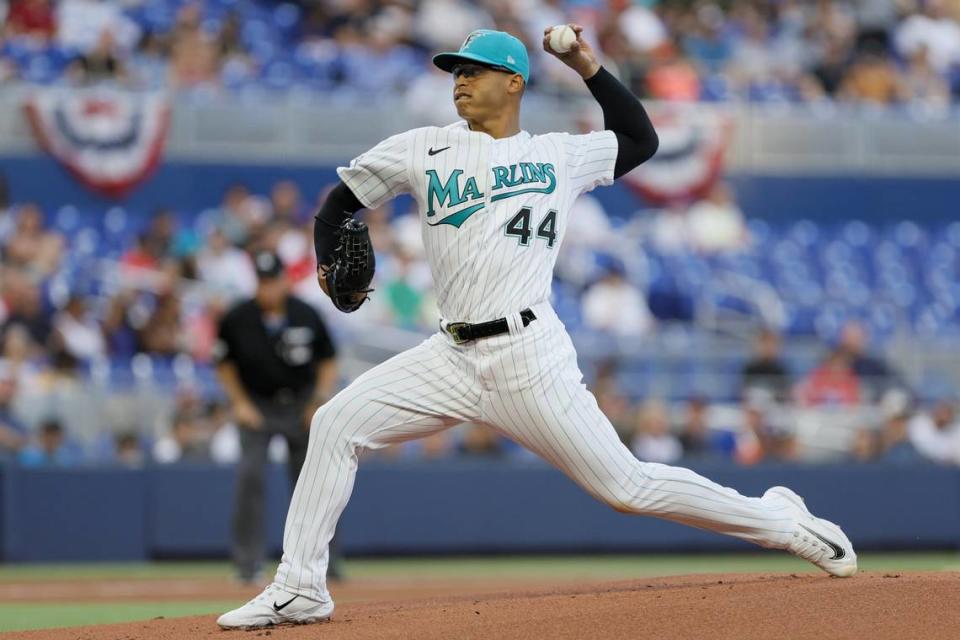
x: 672, y: 77
x: 155, y: 244
x: 834, y: 382
x: 33, y: 18
x: 763, y: 435
x: 139, y: 255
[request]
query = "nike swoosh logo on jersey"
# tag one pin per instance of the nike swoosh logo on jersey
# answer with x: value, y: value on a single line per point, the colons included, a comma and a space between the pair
x: 280, y: 607
x: 838, y: 552
x: 432, y: 152
x: 457, y: 218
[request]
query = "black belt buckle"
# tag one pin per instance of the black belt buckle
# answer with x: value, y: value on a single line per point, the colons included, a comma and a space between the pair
x: 454, y: 330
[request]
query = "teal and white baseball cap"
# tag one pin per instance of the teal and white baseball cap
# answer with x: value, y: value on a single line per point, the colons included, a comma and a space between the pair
x: 491, y: 48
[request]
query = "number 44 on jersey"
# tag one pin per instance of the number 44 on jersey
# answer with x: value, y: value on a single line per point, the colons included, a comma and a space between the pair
x: 519, y: 227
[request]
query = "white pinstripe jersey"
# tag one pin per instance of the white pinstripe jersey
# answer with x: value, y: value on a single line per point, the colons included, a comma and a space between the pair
x: 493, y: 211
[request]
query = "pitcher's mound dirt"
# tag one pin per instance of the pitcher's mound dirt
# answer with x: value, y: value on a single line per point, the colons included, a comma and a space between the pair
x: 874, y: 606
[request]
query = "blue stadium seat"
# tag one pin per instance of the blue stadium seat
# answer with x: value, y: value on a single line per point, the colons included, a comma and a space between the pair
x: 157, y: 17
x: 67, y: 219
x: 286, y: 18
x: 804, y: 232
x: 116, y: 221
x: 255, y: 32
x: 909, y: 235
x: 715, y: 88
x: 40, y: 69
x: 857, y: 233
x: 85, y: 242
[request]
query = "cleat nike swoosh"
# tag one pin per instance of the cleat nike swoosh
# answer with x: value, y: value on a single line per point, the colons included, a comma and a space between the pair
x: 838, y: 552
x: 279, y: 607
x: 432, y: 152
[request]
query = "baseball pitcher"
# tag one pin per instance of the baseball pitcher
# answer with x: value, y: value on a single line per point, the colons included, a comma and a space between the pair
x: 494, y: 201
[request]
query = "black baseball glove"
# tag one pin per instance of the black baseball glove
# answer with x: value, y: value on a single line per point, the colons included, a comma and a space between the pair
x: 352, y: 266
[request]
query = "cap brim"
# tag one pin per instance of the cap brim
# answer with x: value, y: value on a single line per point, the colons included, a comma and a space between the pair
x: 447, y: 61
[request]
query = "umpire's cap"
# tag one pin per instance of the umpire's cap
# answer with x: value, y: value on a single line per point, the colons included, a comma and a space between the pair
x: 268, y: 265
x: 490, y: 48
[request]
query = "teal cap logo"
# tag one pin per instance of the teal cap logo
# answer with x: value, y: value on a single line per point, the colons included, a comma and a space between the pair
x: 491, y: 48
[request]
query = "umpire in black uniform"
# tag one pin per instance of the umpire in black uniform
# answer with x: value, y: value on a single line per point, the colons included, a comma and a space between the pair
x: 276, y: 363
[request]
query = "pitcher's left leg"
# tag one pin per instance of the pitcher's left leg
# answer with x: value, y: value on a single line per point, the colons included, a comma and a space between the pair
x: 544, y: 405
x: 568, y: 430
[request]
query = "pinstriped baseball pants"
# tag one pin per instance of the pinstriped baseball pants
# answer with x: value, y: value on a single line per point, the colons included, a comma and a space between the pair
x: 527, y: 386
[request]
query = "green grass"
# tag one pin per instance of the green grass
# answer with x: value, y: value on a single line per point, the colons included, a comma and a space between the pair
x: 23, y: 616
x: 122, y: 570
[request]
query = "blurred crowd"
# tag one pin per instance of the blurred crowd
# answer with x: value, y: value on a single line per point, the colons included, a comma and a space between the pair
x: 75, y: 313
x: 875, y: 417
x: 153, y: 299
x: 862, y: 51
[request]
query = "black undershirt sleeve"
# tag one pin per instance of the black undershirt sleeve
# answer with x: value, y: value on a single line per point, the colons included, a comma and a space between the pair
x: 339, y: 205
x: 624, y: 115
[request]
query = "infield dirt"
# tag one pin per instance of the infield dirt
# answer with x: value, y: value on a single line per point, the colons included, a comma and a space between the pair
x: 870, y: 606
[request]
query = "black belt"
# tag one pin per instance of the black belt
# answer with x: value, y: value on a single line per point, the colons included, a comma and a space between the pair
x: 283, y: 396
x: 465, y: 332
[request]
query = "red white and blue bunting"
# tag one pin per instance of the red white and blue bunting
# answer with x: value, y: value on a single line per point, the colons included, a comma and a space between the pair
x: 693, y: 143
x: 110, y: 140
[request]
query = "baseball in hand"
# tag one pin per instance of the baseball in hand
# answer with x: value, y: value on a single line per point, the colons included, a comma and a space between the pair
x: 562, y: 38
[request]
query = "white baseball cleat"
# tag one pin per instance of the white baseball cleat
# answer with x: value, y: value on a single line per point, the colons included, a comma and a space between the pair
x: 816, y: 540
x: 275, y: 606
